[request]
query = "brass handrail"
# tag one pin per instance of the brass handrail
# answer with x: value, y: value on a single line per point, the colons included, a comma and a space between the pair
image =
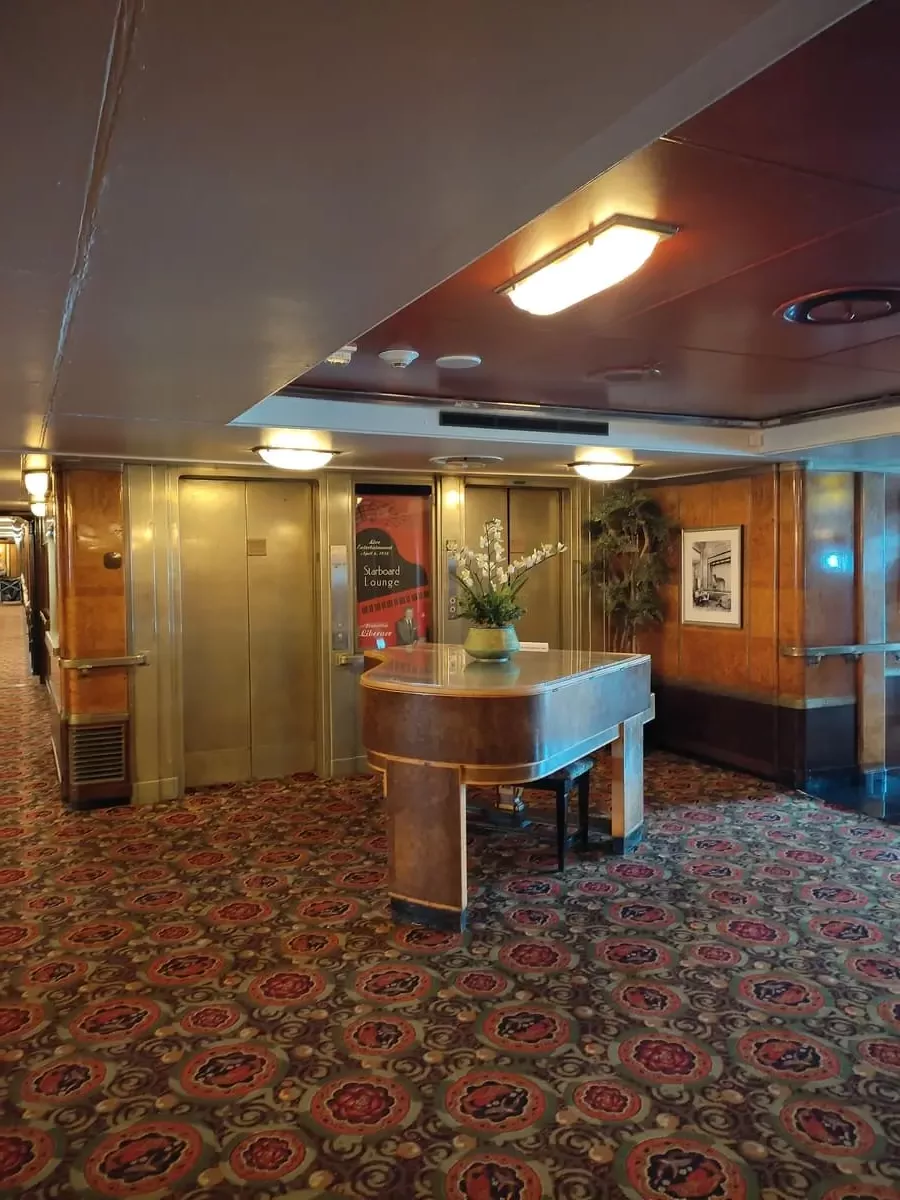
x: 852, y: 651
x: 102, y: 664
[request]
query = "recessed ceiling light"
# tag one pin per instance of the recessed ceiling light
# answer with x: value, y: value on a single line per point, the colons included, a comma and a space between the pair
x: 597, y: 260
x: 842, y: 306
x: 342, y: 357
x: 458, y: 362
x: 602, y: 472
x: 288, y: 458
x: 398, y: 356
x: 464, y: 462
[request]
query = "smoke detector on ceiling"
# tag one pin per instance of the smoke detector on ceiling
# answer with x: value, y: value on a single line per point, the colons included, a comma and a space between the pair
x: 342, y: 357
x: 458, y: 362
x: 397, y: 357
x: 463, y: 462
x: 842, y: 306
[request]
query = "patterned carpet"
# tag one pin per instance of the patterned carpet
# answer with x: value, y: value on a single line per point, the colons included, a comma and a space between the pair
x: 207, y: 999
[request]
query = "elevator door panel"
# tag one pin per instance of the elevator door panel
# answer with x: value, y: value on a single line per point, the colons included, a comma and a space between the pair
x: 215, y: 632
x: 248, y: 630
x: 530, y: 516
x: 535, y: 518
x: 282, y: 629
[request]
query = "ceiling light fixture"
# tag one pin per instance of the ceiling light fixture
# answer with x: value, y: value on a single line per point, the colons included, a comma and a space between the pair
x: 37, y: 483
x: 288, y: 458
x: 602, y: 472
x: 342, y: 357
x: 458, y: 362
x: 593, y: 262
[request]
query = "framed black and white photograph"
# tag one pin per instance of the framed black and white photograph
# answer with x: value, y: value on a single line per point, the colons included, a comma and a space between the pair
x: 711, y: 576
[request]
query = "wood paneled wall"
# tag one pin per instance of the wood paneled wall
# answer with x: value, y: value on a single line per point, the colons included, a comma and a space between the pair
x: 892, y: 596
x: 93, y: 622
x: 741, y: 661
x: 732, y: 695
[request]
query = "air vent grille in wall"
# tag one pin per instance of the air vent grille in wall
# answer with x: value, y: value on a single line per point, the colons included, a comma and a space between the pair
x: 96, y: 754
x: 483, y: 420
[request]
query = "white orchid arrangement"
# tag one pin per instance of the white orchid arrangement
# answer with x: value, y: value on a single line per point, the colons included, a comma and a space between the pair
x: 491, y: 583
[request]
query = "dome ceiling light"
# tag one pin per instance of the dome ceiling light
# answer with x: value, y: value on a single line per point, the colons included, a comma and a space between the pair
x: 597, y: 260
x: 842, y: 306
x: 602, y: 472
x: 291, y: 458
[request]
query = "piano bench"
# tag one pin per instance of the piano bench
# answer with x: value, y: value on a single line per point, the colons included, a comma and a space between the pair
x: 562, y: 783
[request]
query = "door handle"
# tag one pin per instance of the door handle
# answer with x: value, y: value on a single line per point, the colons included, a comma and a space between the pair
x: 355, y: 662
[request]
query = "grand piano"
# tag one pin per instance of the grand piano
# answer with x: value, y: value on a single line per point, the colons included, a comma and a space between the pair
x: 434, y: 722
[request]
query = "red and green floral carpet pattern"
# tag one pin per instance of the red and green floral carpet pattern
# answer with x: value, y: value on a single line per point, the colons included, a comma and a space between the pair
x: 207, y: 999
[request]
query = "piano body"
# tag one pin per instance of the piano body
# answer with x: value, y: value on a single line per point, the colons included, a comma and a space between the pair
x: 435, y: 722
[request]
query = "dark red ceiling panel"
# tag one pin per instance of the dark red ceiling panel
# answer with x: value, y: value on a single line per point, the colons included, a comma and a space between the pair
x: 829, y: 108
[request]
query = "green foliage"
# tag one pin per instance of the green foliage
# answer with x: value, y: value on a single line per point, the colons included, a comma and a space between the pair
x: 493, y: 608
x: 490, y: 584
x: 629, y: 560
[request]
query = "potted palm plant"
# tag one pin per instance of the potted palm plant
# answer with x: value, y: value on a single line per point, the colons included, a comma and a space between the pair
x: 630, y: 538
x: 490, y: 586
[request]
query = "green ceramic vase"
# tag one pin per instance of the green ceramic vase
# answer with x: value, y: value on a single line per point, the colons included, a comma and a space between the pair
x: 490, y: 643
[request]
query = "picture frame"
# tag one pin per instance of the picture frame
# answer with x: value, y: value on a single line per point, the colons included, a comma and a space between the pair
x: 712, y: 576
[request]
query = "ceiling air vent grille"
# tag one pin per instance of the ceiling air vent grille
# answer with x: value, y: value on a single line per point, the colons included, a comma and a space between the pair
x: 96, y: 754
x: 496, y: 421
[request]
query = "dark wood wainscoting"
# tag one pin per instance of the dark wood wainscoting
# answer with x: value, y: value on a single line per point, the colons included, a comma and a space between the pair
x: 767, y: 739
x: 892, y: 749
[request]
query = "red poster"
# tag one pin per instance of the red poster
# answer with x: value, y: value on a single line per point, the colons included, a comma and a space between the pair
x: 393, y: 557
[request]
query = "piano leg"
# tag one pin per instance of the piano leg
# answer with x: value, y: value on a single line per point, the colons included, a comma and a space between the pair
x: 426, y: 809
x: 628, y: 786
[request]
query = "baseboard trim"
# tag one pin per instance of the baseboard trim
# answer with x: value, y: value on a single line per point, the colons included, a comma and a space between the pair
x: 150, y: 791
x: 624, y: 845
x: 411, y: 912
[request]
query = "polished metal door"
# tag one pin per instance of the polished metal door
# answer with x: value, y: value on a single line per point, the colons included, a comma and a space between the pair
x: 530, y: 516
x: 248, y: 629
x: 280, y: 569
x: 215, y: 631
x: 535, y: 517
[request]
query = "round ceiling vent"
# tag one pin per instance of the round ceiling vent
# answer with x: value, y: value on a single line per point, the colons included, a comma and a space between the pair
x: 842, y: 306
x: 458, y: 362
x: 645, y: 373
x: 462, y: 462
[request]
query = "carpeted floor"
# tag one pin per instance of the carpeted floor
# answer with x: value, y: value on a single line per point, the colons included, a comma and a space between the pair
x: 206, y: 998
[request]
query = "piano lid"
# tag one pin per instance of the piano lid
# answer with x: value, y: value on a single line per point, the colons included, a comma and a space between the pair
x: 431, y: 668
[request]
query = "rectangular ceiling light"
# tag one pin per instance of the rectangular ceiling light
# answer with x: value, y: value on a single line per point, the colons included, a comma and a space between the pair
x: 599, y: 259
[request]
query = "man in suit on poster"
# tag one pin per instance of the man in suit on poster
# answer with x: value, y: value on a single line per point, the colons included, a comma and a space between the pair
x: 406, y: 631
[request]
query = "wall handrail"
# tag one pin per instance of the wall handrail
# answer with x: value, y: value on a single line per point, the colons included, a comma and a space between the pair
x: 851, y: 651
x: 102, y: 664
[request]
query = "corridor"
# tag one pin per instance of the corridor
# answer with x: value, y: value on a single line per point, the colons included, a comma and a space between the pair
x: 206, y: 998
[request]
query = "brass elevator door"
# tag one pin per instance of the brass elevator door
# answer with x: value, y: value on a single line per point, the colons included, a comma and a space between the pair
x: 530, y: 516
x: 248, y: 630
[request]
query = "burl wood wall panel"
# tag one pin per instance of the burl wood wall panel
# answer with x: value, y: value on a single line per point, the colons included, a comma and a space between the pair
x: 741, y: 661
x: 730, y: 694
x: 93, y: 611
